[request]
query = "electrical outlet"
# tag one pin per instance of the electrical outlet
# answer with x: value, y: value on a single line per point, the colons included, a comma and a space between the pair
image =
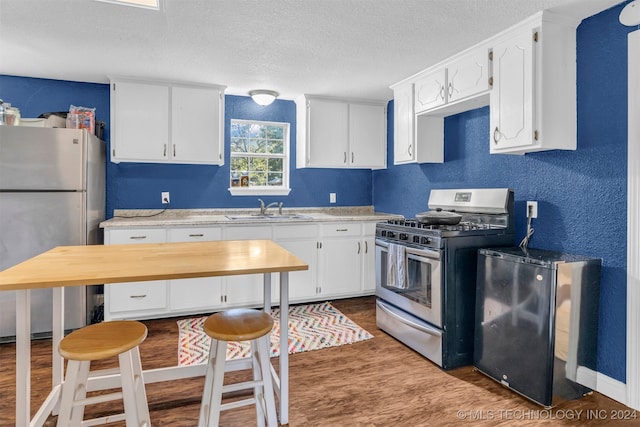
x: 332, y: 197
x: 165, y: 198
x: 532, y: 209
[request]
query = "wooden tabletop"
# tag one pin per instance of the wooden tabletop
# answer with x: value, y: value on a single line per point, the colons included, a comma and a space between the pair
x: 100, y: 264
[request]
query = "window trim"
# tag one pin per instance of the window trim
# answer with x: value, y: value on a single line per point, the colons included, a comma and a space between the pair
x: 283, y: 190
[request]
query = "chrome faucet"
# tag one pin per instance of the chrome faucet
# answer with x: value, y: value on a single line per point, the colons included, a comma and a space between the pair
x: 263, y: 208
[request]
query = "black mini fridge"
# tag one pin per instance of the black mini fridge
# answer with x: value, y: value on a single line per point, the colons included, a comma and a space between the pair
x: 536, y: 327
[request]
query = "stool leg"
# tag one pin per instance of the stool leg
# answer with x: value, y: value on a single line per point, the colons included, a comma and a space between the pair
x: 208, y: 385
x: 267, y: 387
x: 216, y: 365
x: 74, y: 388
x: 134, y: 395
x: 258, y: 389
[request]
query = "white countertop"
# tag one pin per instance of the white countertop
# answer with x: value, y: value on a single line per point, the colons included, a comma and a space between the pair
x: 185, y: 217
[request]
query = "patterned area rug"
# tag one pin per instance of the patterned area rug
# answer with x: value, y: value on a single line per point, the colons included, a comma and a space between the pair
x: 311, y: 327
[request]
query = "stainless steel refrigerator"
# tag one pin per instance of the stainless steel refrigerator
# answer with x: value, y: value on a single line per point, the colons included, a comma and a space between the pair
x: 52, y: 193
x: 536, y: 328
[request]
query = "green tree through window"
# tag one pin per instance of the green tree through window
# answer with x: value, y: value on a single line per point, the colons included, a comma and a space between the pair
x: 259, y: 154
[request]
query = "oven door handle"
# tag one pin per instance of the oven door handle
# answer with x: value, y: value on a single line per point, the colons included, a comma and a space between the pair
x: 422, y: 252
x: 429, y: 330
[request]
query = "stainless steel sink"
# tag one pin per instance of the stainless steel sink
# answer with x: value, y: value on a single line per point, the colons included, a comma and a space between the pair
x: 257, y: 217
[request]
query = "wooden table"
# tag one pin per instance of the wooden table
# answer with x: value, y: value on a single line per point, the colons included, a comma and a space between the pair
x: 91, y: 265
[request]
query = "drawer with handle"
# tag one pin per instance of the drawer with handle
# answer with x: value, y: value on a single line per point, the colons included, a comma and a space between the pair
x: 138, y: 296
x: 140, y: 235
x: 200, y: 234
x: 340, y: 229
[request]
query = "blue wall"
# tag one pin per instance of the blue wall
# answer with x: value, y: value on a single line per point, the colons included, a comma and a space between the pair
x: 581, y: 194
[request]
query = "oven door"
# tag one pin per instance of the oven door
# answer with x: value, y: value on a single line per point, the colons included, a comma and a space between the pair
x: 422, y: 294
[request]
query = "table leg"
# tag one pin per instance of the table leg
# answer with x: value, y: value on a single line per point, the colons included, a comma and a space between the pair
x: 267, y: 292
x: 284, y: 347
x: 57, y: 361
x: 23, y: 357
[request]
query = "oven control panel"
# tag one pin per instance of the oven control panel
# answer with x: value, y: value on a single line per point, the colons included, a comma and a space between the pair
x: 418, y: 239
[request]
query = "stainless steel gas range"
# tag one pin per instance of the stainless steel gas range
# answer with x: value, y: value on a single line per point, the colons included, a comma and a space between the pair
x: 426, y: 274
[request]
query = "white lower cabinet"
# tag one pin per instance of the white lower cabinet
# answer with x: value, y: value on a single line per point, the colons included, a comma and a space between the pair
x: 340, y: 259
x: 302, y: 241
x: 340, y: 255
x: 369, y: 257
x: 246, y: 289
x: 203, y: 293
x: 137, y: 299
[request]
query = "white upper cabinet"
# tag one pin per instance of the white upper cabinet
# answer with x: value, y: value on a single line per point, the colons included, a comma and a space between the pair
x: 527, y: 74
x: 340, y: 133
x: 464, y: 76
x: 431, y: 90
x: 165, y: 122
x: 422, y: 101
x: 403, y: 119
x: 468, y: 75
x: 533, y: 103
x: 197, y: 131
x: 367, y: 136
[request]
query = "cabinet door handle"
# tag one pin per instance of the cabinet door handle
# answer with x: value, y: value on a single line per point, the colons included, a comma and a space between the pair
x: 174, y: 151
x: 496, y: 135
x: 196, y: 235
x: 138, y: 296
x: 341, y: 229
x: 345, y: 157
x: 137, y: 237
x: 352, y: 157
x: 359, y: 247
x: 164, y: 153
x: 442, y: 92
x: 409, y: 150
x: 366, y: 247
x: 450, y: 90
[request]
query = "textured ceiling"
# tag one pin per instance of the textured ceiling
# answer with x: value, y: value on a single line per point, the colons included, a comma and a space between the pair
x: 349, y: 48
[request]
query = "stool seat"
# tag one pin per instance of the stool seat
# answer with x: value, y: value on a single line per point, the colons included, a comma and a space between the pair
x: 102, y: 340
x: 95, y: 342
x: 239, y: 324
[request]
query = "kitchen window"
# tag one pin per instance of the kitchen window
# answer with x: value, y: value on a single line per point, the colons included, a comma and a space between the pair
x: 259, y: 158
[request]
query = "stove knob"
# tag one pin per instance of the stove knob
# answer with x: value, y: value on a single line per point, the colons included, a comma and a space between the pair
x: 404, y: 236
x: 391, y: 234
x: 425, y: 241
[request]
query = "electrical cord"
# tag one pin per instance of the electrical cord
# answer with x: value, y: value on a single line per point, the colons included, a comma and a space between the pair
x: 525, y: 240
x: 144, y: 216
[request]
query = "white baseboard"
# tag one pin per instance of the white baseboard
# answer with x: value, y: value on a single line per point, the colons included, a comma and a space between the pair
x: 614, y: 389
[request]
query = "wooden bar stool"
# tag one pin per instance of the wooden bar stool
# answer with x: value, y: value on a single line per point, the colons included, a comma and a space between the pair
x: 238, y: 325
x: 96, y: 342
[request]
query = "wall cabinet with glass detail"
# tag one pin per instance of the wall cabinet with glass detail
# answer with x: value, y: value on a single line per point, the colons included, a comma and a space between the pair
x: 341, y: 133
x: 166, y: 122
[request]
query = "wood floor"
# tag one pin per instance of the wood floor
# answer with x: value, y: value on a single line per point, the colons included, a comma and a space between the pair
x: 378, y: 382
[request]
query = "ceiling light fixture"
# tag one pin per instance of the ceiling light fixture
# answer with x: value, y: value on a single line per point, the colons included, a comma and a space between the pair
x: 145, y: 4
x: 263, y: 97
